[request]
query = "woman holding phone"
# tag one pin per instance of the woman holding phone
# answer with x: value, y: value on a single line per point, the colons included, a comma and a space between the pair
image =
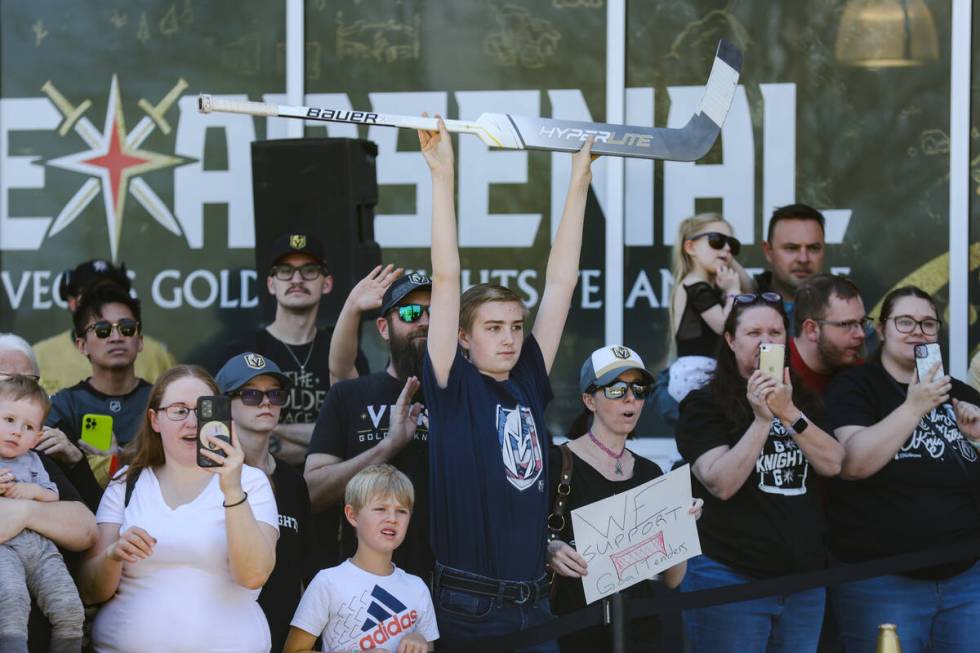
x: 752, y: 441
x: 910, y: 481
x: 183, y: 550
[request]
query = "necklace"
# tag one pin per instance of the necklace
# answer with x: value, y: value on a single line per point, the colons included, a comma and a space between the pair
x: 302, y: 366
x: 606, y: 450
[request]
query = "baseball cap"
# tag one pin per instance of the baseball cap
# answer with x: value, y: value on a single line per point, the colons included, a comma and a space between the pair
x: 606, y: 363
x: 401, y: 288
x: 84, y: 275
x: 242, y: 368
x: 295, y: 242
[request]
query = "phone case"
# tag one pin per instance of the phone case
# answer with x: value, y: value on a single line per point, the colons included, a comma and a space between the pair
x: 926, y: 356
x: 213, y: 420
x: 97, y: 431
x: 771, y: 359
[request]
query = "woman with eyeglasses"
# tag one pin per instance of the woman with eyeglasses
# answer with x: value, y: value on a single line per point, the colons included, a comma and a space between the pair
x: 614, y: 383
x: 706, y: 279
x: 183, y: 550
x: 754, y: 443
x: 910, y: 482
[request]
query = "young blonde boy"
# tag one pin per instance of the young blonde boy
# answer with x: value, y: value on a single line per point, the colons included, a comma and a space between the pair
x: 366, y: 603
x: 30, y: 564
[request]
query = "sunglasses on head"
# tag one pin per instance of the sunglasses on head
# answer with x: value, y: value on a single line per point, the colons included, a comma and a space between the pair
x: 253, y: 396
x: 103, y: 328
x: 412, y: 312
x: 752, y: 298
x: 618, y: 390
x: 717, y: 240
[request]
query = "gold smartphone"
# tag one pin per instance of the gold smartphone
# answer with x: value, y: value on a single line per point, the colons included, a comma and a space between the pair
x: 772, y: 357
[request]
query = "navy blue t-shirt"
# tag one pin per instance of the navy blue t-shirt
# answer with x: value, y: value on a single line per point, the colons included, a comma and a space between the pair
x: 488, y: 477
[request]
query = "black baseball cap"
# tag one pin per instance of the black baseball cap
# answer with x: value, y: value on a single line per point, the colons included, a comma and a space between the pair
x: 296, y: 242
x: 242, y: 368
x: 85, y: 275
x: 401, y: 288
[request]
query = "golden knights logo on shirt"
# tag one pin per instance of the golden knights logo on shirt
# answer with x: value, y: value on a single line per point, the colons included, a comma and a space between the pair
x: 781, y: 466
x: 520, y: 446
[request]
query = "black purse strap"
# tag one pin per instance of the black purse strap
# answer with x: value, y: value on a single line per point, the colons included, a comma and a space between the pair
x: 556, y: 520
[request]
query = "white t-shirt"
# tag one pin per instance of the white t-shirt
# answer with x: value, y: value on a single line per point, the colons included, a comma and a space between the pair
x: 355, y: 610
x: 182, y: 599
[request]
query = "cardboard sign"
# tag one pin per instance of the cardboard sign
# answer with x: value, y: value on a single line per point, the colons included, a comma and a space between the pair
x: 635, y: 535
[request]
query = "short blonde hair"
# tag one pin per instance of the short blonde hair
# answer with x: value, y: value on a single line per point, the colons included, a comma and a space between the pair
x: 379, y: 480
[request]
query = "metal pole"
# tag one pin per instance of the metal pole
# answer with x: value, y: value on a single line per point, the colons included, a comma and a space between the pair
x: 619, y: 622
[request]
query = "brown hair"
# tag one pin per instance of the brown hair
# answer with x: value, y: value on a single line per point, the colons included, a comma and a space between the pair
x: 813, y: 296
x: 146, y: 449
x: 18, y: 387
x: 480, y: 294
x: 888, y: 306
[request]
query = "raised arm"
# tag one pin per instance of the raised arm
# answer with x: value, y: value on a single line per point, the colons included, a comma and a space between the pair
x: 822, y: 451
x: 365, y: 296
x: 444, y: 316
x: 561, y: 275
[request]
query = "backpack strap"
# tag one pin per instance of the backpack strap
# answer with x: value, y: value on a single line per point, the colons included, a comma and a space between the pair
x: 130, y: 486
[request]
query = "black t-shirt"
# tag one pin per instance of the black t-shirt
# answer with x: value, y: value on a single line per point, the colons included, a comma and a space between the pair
x: 922, y: 498
x: 774, y: 524
x: 38, y: 627
x: 488, y: 478
x: 353, y: 419
x: 694, y: 336
x: 281, y: 593
x: 589, y: 486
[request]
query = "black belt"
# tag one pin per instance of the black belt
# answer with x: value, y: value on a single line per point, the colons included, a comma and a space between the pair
x: 515, y: 591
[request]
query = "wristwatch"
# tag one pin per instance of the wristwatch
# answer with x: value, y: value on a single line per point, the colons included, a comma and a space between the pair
x: 800, y: 424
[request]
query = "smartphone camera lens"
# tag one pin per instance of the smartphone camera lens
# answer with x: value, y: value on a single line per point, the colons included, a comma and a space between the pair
x: 206, y: 409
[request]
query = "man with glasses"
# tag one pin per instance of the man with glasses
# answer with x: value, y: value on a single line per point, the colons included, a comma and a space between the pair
x: 794, y: 247
x: 831, y: 327
x: 298, y: 279
x: 352, y: 430
x: 258, y: 391
x: 107, y: 332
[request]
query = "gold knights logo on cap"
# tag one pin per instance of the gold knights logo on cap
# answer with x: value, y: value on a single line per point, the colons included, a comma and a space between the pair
x: 297, y: 241
x: 621, y: 352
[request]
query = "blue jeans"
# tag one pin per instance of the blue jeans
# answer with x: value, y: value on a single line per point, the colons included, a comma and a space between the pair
x: 463, y: 615
x: 935, y: 616
x: 772, y: 624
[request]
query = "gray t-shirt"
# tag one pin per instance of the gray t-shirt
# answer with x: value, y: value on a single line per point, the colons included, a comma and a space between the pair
x: 28, y: 468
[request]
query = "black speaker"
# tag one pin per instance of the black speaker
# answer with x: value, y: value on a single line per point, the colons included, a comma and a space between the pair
x: 326, y: 187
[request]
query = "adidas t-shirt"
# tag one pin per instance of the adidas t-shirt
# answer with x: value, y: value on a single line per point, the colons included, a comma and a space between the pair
x: 355, y: 610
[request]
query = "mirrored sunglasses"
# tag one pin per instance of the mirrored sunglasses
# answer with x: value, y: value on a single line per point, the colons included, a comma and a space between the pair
x: 253, y: 396
x: 717, y: 240
x: 412, y: 312
x: 618, y: 390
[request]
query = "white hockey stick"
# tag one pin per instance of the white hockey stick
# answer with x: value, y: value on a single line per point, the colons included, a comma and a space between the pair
x: 687, y: 143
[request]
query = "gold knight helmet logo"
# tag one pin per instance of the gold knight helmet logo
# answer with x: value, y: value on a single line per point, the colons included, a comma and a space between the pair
x: 297, y: 241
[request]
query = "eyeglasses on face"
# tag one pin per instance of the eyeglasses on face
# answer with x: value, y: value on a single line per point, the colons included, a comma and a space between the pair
x: 906, y: 324
x: 618, y: 390
x: 307, y: 271
x: 862, y: 324
x: 253, y: 396
x: 412, y: 312
x: 103, y: 328
x: 717, y: 240
x: 12, y: 375
x: 752, y: 298
x: 176, y: 412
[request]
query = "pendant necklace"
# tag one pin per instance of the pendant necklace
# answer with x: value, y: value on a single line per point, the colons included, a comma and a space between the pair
x: 615, y: 456
x: 302, y: 366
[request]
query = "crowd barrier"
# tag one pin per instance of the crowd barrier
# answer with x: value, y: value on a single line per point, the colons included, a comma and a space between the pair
x: 617, y: 611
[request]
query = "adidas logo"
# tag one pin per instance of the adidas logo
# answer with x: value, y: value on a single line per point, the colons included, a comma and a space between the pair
x: 385, y: 620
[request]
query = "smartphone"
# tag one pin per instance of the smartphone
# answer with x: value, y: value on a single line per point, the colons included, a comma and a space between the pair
x: 213, y: 421
x: 97, y: 431
x: 926, y: 356
x: 771, y: 359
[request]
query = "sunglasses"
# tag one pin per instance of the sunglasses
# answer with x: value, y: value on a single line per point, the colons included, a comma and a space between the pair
x: 752, y: 298
x: 412, y: 312
x: 103, y: 328
x: 618, y: 390
x: 717, y: 240
x: 307, y: 271
x: 253, y: 396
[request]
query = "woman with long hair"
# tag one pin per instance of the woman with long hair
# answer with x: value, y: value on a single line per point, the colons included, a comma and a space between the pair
x: 614, y: 383
x: 910, y: 481
x: 752, y: 440
x: 183, y: 550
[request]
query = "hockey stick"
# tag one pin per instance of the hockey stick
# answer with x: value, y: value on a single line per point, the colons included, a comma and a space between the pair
x: 687, y: 143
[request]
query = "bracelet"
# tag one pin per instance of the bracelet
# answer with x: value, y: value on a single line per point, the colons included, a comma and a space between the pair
x: 237, y: 503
